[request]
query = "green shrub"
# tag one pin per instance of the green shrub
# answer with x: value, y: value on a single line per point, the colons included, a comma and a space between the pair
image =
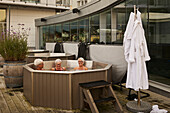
x: 13, y: 44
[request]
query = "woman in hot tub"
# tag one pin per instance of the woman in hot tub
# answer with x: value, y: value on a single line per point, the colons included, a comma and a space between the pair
x: 58, y: 66
x: 39, y: 64
x: 81, y: 65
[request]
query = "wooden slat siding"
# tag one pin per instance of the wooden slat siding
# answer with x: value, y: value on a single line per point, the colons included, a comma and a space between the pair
x: 55, y: 95
x: 3, y: 104
x: 17, y: 102
x: 52, y: 90
x: 109, y: 74
x: 44, y: 92
x: 48, y: 77
x: 69, y: 97
x: 60, y: 91
x: 106, y: 75
x: 27, y: 105
x: 63, y: 91
x: 56, y: 98
x: 34, y: 90
x: 38, y: 96
x: 41, y: 89
x: 9, y: 101
x: 27, y: 85
x: 81, y: 78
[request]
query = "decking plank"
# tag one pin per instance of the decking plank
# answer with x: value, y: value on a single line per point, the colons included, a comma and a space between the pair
x: 9, y: 101
x: 25, y: 103
x: 3, y: 104
x: 17, y: 101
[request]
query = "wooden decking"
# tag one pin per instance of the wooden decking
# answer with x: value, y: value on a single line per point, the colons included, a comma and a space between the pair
x: 13, y: 101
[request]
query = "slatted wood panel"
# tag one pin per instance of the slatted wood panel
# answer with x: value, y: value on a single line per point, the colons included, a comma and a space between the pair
x: 13, y: 101
x: 51, y: 90
x: 27, y: 84
x: 82, y: 78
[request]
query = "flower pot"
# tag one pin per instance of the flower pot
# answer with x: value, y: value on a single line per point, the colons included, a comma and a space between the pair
x: 13, y: 73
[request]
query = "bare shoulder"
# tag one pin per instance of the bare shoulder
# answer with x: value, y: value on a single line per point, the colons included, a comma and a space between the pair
x: 85, y: 68
x: 64, y: 69
x: 75, y: 68
x: 53, y: 69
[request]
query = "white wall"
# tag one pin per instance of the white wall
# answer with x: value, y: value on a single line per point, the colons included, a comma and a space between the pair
x: 26, y: 16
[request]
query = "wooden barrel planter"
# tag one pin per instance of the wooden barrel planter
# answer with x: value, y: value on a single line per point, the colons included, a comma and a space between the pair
x: 1, y: 61
x: 13, y: 73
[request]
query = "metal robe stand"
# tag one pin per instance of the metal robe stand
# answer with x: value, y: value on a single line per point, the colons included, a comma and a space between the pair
x: 138, y: 106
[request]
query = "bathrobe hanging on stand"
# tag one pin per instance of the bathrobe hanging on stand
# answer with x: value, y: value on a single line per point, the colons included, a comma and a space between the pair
x: 137, y: 77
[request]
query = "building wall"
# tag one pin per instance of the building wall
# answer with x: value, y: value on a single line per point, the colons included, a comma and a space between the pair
x: 78, y: 3
x: 27, y: 16
x: 49, y: 2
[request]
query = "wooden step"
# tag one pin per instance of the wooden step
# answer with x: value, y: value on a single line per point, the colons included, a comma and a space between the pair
x: 96, y: 84
x: 104, y: 100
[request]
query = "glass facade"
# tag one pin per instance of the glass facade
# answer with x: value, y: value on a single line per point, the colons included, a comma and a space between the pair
x: 108, y: 27
x: 83, y: 30
x: 74, y: 31
x: 58, y: 33
x: 94, y: 29
x: 2, y: 22
x: 105, y: 27
x: 66, y: 32
x: 159, y: 40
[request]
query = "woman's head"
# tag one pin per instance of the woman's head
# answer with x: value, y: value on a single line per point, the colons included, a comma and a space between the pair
x: 81, y: 61
x: 58, y: 63
x: 39, y: 63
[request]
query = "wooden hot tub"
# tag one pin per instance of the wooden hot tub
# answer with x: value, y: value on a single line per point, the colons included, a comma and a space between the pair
x: 50, y: 56
x: 60, y: 89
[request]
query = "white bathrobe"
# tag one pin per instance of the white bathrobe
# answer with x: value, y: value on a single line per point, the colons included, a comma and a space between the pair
x: 137, y: 77
x: 127, y: 36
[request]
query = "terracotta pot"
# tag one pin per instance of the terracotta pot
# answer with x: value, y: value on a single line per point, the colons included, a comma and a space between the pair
x: 13, y: 73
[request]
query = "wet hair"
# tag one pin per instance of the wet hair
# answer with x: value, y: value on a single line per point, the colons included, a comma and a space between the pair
x: 38, y: 61
x: 82, y: 59
x: 57, y: 60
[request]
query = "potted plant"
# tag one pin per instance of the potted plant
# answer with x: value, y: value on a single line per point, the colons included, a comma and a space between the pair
x: 13, y: 48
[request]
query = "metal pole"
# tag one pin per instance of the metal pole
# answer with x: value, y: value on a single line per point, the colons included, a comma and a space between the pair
x: 9, y: 18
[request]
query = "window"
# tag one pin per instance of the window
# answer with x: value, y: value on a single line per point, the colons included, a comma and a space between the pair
x: 58, y: 2
x: 2, y: 22
x: 159, y: 42
x: 119, y: 22
x: 105, y: 27
x: 46, y: 32
x: 66, y: 32
x: 42, y: 38
x: 94, y: 29
x: 51, y: 33
x: 58, y: 33
x: 78, y: 3
x: 3, y: 15
x: 84, y: 30
x: 74, y: 31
